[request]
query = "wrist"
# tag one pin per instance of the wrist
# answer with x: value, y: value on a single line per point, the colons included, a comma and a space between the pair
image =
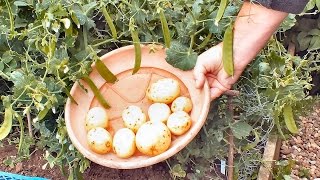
x: 253, y: 28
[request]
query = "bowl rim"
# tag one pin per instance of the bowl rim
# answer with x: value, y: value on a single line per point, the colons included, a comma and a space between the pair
x: 152, y: 159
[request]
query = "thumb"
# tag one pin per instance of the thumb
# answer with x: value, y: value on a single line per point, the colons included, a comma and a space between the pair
x: 215, y: 93
x: 199, y: 75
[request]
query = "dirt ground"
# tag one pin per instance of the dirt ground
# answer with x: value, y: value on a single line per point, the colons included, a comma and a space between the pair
x: 33, y: 167
x: 304, y: 147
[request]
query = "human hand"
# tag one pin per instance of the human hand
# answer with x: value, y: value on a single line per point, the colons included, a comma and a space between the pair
x: 209, y: 66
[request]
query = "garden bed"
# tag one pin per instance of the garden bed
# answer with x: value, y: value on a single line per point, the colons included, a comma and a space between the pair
x: 47, y: 46
x: 33, y: 167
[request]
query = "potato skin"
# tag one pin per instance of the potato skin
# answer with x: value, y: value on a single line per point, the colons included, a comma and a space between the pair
x: 124, y: 143
x: 133, y: 117
x: 99, y: 140
x: 159, y: 112
x: 179, y: 122
x: 181, y: 104
x: 164, y: 90
x: 153, y: 138
x: 96, y: 117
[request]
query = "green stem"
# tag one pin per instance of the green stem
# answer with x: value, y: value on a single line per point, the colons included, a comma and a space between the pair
x: 192, y: 15
x: 10, y: 16
x: 103, y: 42
x: 3, y: 74
x: 45, y: 73
x: 19, y: 96
x: 30, y: 88
x: 21, y: 133
x: 196, y: 33
x: 126, y: 2
x: 34, y: 28
x: 191, y: 44
x: 85, y: 36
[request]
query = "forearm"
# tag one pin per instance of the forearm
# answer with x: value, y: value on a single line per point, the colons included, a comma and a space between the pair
x: 253, y: 28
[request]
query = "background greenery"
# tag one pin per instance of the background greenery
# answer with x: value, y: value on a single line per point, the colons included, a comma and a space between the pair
x: 47, y: 45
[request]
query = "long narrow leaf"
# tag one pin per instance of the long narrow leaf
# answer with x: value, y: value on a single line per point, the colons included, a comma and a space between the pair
x: 222, y: 8
x: 105, y: 72
x: 7, y: 123
x: 289, y: 120
x: 227, y: 51
x: 70, y: 96
x: 96, y: 92
x: 110, y: 23
x: 137, y: 49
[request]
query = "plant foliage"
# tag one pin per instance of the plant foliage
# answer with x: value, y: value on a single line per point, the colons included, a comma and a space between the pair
x: 47, y: 45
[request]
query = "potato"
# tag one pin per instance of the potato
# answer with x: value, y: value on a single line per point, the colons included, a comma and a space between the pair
x: 124, y: 143
x: 153, y: 138
x: 163, y: 91
x: 96, y: 117
x: 181, y: 104
x: 159, y: 112
x: 99, y: 140
x: 179, y: 122
x: 133, y: 117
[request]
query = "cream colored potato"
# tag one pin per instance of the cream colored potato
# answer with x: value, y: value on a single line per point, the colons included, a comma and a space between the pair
x: 96, y: 117
x: 153, y: 138
x: 159, y: 112
x: 99, y: 140
x: 124, y: 143
x: 181, y: 104
x: 133, y: 117
x: 179, y: 122
x: 163, y: 91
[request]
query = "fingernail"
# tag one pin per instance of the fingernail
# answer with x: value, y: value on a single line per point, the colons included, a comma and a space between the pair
x: 197, y: 83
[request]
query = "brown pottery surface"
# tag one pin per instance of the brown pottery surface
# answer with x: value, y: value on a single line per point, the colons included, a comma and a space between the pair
x: 131, y: 90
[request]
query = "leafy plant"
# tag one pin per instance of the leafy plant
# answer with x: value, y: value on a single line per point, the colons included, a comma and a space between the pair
x: 46, y: 46
x: 283, y: 169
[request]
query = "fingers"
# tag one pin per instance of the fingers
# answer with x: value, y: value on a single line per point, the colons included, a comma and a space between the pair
x: 217, y: 88
x: 215, y: 93
x: 199, y: 75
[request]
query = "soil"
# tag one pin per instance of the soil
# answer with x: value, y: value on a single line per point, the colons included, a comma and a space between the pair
x: 304, y: 148
x: 33, y: 167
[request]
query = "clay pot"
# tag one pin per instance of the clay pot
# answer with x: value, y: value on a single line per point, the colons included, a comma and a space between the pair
x: 130, y: 90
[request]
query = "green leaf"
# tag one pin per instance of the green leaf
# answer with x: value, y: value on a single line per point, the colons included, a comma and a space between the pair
x: 241, y: 129
x: 17, y: 77
x: 21, y: 3
x: 289, y: 120
x: 179, y: 56
x: 196, y: 7
x: 1, y: 66
x: 314, y: 32
x: 82, y: 18
x: 178, y: 171
x: 219, y: 135
x: 289, y: 22
x: 253, y: 144
x: 314, y: 43
x: 7, y: 123
x: 318, y: 4
x: 303, y: 40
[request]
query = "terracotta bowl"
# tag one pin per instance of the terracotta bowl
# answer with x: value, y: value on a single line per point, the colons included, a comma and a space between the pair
x: 130, y: 90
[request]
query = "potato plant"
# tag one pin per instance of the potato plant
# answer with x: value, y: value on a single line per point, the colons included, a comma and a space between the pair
x: 47, y: 45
